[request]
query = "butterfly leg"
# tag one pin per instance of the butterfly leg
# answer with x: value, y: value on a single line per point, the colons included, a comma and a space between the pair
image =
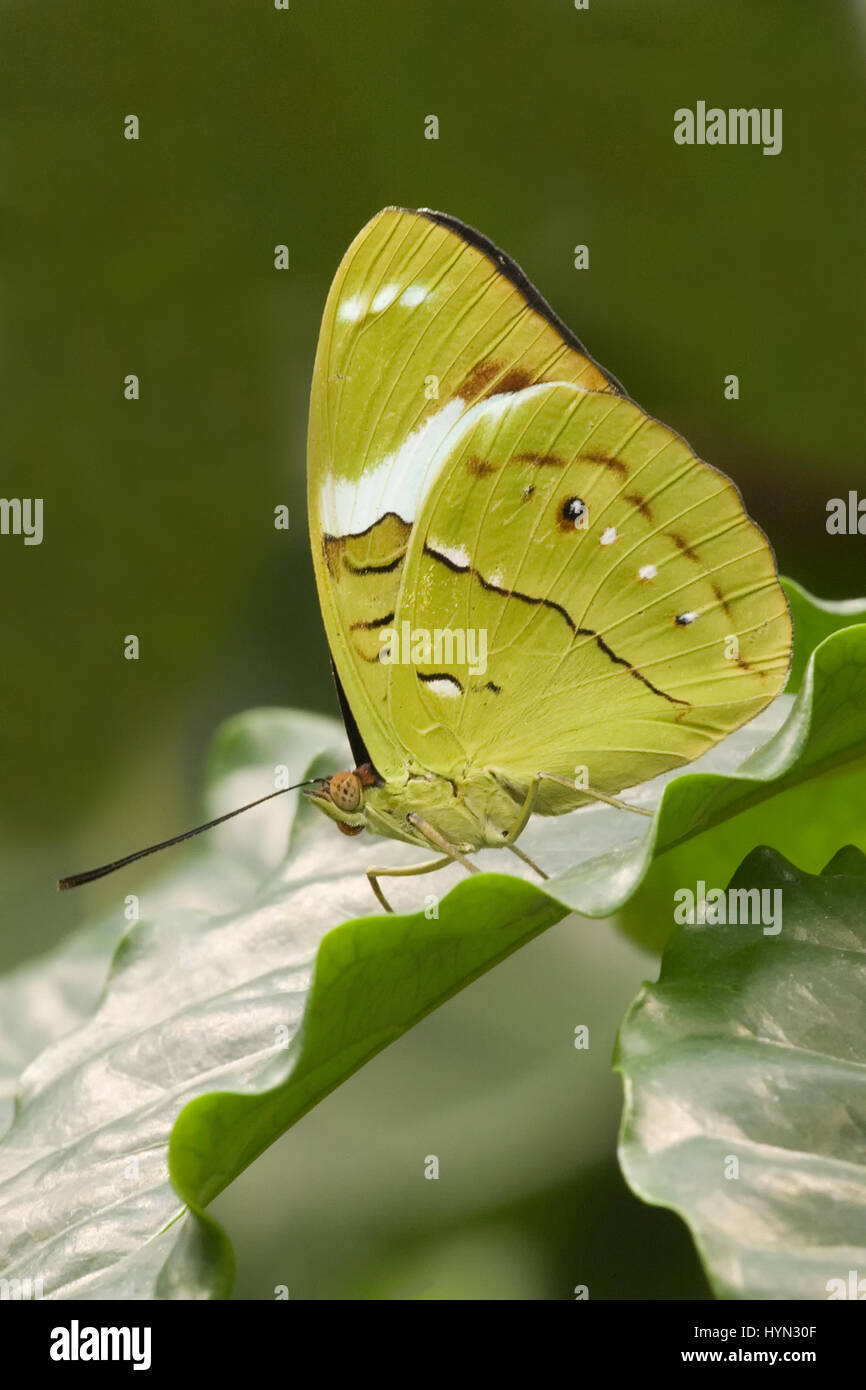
x: 520, y: 825
x: 373, y: 875
x: 439, y: 842
x: 526, y: 809
x: 526, y: 859
x: 529, y: 800
x: 597, y: 796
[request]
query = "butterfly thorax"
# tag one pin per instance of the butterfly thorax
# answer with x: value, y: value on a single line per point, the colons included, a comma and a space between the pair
x: 470, y: 812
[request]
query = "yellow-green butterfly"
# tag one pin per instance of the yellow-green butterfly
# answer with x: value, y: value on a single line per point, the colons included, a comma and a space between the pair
x: 601, y: 599
x: 534, y: 594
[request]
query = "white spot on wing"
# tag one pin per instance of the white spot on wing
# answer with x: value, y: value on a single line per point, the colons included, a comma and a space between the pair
x: 387, y: 294
x: 684, y: 619
x: 456, y: 554
x: 445, y: 686
x: 415, y: 294
x: 647, y: 572
x: 608, y: 535
x: 351, y: 309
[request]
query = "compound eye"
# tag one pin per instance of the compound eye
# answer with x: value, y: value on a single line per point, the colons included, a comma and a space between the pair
x: 344, y: 789
x: 348, y: 829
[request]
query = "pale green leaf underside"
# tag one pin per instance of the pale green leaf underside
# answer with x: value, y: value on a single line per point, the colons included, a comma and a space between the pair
x: 750, y: 1051
x: 206, y: 988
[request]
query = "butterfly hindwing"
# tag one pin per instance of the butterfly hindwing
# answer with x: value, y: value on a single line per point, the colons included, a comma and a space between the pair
x: 424, y: 320
x: 631, y: 611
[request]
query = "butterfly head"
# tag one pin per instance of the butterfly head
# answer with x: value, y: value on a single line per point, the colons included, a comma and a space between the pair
x: 341, y: 796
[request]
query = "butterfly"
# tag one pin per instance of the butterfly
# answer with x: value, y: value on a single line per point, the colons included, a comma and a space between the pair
x: 535, y: 594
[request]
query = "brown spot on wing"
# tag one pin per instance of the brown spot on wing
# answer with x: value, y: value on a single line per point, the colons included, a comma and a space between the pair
x: 490, y: 378
x: 479, y: 467
x: 479, y: 379
x: 541, y: 460
x: 607, y: 461
x: 641, y: 503
x: 516, y: 380
x: 332, y: 551
x: 721, y: 598
x: 682, y: 544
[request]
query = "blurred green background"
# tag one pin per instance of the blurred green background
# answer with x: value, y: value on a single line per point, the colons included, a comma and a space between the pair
x: 261, y: 126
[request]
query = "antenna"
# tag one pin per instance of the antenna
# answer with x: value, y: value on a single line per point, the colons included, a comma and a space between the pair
x: 76, y: 880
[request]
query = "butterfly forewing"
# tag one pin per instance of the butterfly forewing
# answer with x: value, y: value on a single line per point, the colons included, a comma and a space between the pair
x: 424, y: 320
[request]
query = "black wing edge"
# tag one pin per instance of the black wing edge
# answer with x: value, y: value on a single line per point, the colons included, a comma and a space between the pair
x: 353, y: 733
x: 520, y: 280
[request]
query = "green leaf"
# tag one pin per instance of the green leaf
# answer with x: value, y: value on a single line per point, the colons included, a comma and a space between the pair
x: 814, y: 619
x: 803, y: 793
x: 259, y: 978
x: 745, y: 1085
x: 201, y: 1000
